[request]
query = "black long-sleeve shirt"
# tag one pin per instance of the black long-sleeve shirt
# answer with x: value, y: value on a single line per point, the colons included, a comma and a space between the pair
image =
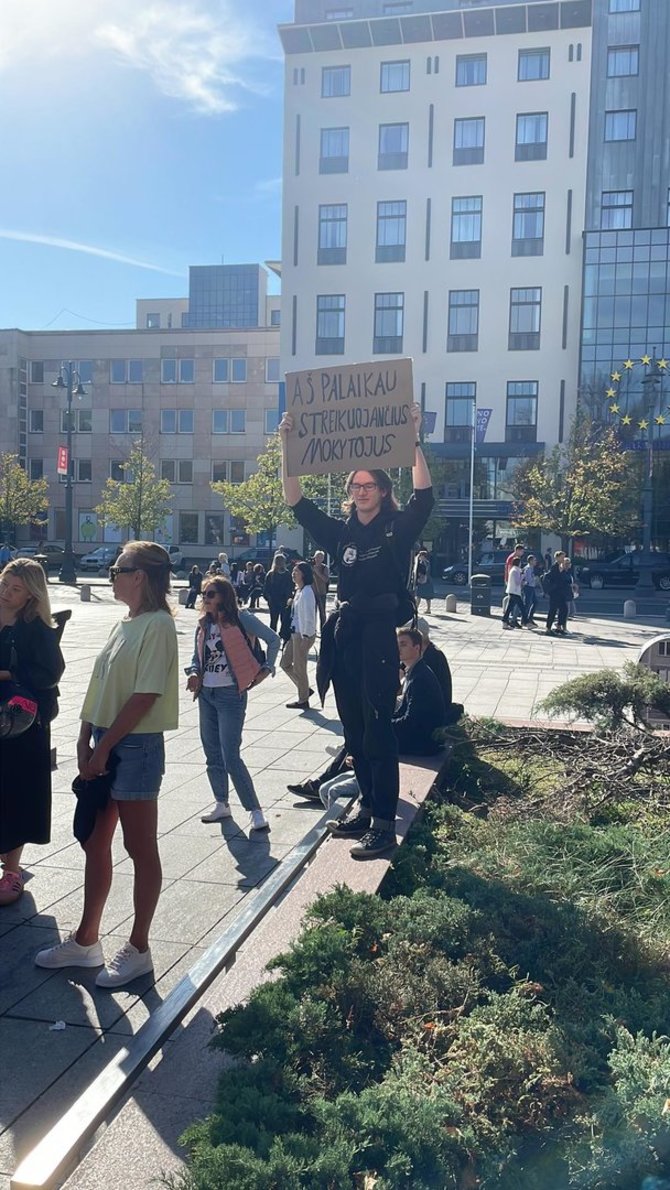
x: 420, y: 713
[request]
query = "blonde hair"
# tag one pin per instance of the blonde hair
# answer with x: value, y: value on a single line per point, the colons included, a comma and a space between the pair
x: 154, y: 561
x: 33, y: 577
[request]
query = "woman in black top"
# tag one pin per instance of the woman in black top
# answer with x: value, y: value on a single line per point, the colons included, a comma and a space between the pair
x: 278, y: 589
x: 194, y: 585
x: 359, y: 648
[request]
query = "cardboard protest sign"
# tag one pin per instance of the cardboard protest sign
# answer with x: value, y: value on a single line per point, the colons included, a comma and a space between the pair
x: 353, y: 416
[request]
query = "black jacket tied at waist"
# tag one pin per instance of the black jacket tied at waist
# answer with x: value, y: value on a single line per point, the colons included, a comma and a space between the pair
x: 362, y: 628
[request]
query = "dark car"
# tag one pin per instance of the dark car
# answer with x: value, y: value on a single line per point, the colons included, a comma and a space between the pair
x: 624, y: 571
x: 54, y: 554
x: 263, y: 555
x: 492, y: 563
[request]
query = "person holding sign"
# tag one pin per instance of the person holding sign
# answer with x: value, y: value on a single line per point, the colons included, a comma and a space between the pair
x: 359, y: 647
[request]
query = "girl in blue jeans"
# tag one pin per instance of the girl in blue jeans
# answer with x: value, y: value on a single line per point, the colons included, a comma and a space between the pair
x: 222, y: 670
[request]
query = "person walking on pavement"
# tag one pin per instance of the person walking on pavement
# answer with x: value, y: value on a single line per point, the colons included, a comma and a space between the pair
x: 278, y: 589
x: 321, y: 580
x: 423, y: 581
x: 530, y: 582
x: 194, y: 586
x: 555, y: 588
x: 303, y: 635
x: 359, y: 648
x: 513, y: 613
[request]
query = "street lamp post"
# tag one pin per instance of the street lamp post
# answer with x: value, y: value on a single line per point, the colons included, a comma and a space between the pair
x: 68, y: 378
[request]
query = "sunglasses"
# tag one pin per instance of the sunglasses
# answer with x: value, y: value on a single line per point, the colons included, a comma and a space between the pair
x: 115, y: 571
x: 212, y: 593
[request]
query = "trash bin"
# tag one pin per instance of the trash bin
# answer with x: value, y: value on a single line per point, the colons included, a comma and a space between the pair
x: 44, y: 563
x: 480, y: 595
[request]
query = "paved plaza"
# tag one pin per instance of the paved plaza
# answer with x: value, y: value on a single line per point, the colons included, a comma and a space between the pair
x: 208, y: 870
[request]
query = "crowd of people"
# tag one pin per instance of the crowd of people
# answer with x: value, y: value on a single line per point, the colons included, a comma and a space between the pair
x: 528, y: 579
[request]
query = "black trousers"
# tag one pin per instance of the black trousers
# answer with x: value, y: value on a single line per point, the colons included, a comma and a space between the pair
x: 558, y: 609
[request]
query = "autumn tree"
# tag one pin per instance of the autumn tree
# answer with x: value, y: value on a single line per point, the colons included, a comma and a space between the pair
x: 23, y: 501
x: 140, y: 503
x: 587, y: 486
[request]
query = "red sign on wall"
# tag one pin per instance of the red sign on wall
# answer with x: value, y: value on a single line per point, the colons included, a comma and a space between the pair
x: 61, y: 460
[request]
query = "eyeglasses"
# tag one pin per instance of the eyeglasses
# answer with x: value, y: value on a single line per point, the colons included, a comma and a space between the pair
x: 211, y: 594
x: 363, y: 487
x: 115, y: 571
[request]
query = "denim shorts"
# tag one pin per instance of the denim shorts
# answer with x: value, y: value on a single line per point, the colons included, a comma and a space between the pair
x: 140, y: 758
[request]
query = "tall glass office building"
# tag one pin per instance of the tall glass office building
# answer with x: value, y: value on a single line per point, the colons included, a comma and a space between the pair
x: 230, y: 295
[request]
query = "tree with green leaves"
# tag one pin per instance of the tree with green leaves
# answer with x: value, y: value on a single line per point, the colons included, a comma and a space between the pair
x: 590, y: 486
x: 23, y: 501
x: 140, y: 503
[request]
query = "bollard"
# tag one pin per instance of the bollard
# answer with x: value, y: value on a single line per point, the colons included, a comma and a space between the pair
x: 85, y: 593
x: 629, y: 609
x: 450, y: 603
x: 183, y: 596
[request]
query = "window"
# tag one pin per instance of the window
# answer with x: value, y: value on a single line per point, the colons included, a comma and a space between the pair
x: 389, y: 316
x: 36, y: 421
x: 621, y: 125
x: 188, y: 528
x: 334, y: 154
x: 394, y: 76
x: 229, y: 421
x: 271, y: 421
x: 525, y: 308
x: 82, y: 421
x: 238, y: 370
x: 458, y: 410
x: 36, y: 371
x: 469, y: 141
x: 470, y: 70
x: 153, y: 322
x: 214, y: 529
x: 521, y: 424
x: 330, y: 308
x: 272, y: 370
x: 533, y: 64
x: 117, y: 470
x: 125, y: 421
x: 228, y: 472
x: 393, y: 146
x: 463, y: 324
x: 125, y: 371
x: 528, y: 225
x: 230, y: 371
x: 177, y: 371
x: 186, y: 371
x: 221, y: 371
x: 83, y: 471
x: 466, y: 227
x: 275, y: 318
x: 391, y: 231
x: 531, y: 136
x: 616, y: 209
x: 624, y: 5
x: 332, y: 248
x: 36, y: 468
x: 84, y: 370
x: 623, y: 60
x: 335, y: 81
x: 177, y: 470
x: 177, y: 421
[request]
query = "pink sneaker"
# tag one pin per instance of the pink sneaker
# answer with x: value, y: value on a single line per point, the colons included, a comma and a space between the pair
x: 11, y: 887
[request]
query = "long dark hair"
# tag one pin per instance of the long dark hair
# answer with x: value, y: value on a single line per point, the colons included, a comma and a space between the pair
x: 226, y: 593
x: 385, y: 485
x: 306, y: 572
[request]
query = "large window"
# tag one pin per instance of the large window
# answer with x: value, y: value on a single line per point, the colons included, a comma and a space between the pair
x: 458, y: 410
x: 36, y: 421
x: 469, y: 141
x: 177, y: 371
x: 531, y: 136
x: 214, y: 529
x: 37, y: 371
x: 229, y: 421
x: 334, y: 153
x: 125, y: 371
x: 624, y: 5
x: 621, y: 125
x: 229, y: 370
x: 616, y: 209
x: 271, y: 421
x: 533, y: 64
x: 332, y: 247
x: 391, y: 231
x: 272, y: 373
x: 177, y: 421
x: 81, y: 421
x: 125, y: 421
x: 188, y: 528
x: 525, y: 312
x: 335, y: 81
x: 228, y: 471
x: 330, y: 308
x: 623, y: 60
x: 394, y: 76
x: 393, y: 146
x: 389, y: 317
x: 528, y: 224
x: 35, y: 468
x: 463, y: 324
x: 466, y: 227
x: 470, y: 70
x: 521, y: 423
x: 177, y: 470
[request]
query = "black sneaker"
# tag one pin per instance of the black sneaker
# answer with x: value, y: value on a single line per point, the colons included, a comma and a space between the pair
x: 308, y: 789
x: 374, y: 842
x: 350, y: 827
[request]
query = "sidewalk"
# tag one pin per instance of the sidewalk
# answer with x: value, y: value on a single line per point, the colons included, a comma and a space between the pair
x: 208, y: 870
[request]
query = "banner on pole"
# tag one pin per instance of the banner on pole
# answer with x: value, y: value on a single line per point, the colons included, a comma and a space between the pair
x: 353, y: 416
x: 62, y: 461
x: 483, y: 418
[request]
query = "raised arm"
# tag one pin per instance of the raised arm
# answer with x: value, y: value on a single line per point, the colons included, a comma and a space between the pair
x: 420, y: 473
x: 290, y: 485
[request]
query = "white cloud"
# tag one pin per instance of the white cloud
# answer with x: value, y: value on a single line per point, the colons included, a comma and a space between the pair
x: 268, y: 188
x: 30, y: 237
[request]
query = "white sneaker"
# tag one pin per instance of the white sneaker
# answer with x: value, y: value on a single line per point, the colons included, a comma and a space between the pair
x: 219, y: 811
x: 258, y: 821
x: 69, y: 953
x: 128, y: 964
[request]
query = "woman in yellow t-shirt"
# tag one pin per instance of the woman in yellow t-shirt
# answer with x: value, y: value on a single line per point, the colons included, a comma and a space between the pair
x: 132, y: 698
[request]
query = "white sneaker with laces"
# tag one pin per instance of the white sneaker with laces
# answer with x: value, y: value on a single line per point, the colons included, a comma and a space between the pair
x: 258, y: 821
x: 218, y: 812
x: 69, y: 953
x: 128, y: 964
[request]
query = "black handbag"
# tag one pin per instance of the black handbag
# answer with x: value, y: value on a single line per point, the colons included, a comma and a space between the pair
x: 18, y: 710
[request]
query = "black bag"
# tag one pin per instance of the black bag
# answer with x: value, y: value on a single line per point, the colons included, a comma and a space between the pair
x: 18, y: 710
x: 255, y: 646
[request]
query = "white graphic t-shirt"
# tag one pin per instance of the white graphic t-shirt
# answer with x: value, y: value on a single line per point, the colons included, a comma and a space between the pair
x: 216, y: 671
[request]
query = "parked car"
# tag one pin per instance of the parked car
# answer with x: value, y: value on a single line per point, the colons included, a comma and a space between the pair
x: 101, y: 559
x: 54, y: 554
x: 624, y: 571
x: 262, y: 554
x: 491, y: 563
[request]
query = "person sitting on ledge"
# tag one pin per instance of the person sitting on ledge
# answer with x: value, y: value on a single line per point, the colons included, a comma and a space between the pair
x: 421, y: 710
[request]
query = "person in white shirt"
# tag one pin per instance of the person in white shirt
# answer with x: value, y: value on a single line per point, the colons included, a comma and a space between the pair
x: 514, y: 611
x: 303, y: 634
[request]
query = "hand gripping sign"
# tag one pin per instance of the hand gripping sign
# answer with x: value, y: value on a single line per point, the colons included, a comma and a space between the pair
x: 351, y: 417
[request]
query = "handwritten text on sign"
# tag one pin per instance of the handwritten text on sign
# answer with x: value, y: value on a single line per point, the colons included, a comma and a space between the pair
x: 355, y: 416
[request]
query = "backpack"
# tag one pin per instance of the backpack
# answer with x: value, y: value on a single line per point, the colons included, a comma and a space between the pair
x: 546, y: 583
x: 255, y: 646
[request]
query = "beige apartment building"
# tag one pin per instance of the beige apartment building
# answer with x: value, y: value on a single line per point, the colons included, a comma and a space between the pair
x: 203, y: 399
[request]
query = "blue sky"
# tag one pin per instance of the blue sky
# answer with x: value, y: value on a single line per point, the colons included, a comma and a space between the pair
x: 138, y: 137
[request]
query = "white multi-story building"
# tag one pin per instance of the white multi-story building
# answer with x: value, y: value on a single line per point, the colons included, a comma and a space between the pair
x: 435, y: 160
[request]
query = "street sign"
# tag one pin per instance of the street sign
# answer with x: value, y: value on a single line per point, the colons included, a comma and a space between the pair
x: 62, y: 461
